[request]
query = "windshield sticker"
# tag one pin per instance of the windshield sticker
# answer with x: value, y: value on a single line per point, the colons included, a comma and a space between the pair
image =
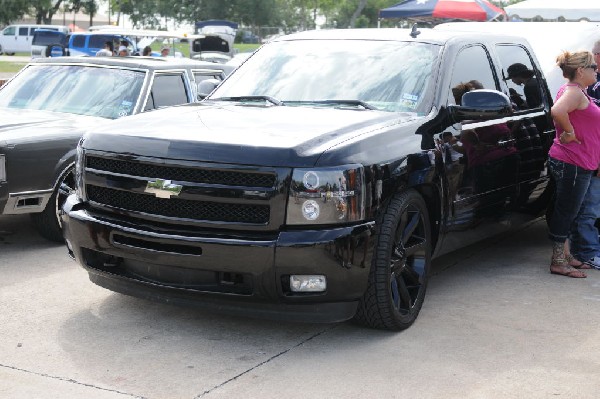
x: 125, y: 108
x: 409, y: 100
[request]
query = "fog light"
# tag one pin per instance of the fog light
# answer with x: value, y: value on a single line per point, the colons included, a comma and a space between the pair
x: 299, y: 283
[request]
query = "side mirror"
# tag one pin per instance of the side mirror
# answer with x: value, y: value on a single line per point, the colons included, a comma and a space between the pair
x: 206, y: 87
x: 481, y: 105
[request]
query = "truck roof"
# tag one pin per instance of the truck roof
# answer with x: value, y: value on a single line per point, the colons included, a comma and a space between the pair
x: 426, y: 35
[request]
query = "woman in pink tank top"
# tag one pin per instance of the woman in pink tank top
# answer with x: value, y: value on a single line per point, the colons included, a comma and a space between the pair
x: 575, y: 152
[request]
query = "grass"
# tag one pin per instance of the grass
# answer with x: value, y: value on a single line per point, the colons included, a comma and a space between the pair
x: 10, y: 67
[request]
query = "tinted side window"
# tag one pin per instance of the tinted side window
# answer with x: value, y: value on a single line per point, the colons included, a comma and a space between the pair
x: 520, y: 76
x: 472, y: 64
x: 78, y: 41
x: 167, y: 89
x: 23, y: 31
x: 97, y: 41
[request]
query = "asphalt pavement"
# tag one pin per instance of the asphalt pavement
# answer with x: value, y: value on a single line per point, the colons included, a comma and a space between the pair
x: 495, y: 324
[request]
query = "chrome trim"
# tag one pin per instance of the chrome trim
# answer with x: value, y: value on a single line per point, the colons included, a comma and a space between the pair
x: 2, y: 168
x: 12, y: 208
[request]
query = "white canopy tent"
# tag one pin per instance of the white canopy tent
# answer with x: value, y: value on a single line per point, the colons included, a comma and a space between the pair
x: 555, y: 10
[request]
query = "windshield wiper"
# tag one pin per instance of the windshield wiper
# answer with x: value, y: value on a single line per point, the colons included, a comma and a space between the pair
x: 352, y: 103
x: 269, y: 99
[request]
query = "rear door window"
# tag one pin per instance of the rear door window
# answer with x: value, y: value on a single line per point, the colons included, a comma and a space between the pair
x: 23, y: 31
x: 521, y: 77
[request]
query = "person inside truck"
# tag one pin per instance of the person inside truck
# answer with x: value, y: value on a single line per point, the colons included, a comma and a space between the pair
x: 519, y: 74
x: 164, y: 52
x: 574, y: 155
x: 147, y: 52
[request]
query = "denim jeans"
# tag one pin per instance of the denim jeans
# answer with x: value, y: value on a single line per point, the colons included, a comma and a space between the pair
x: 584, y: 234
x: 572, y: 183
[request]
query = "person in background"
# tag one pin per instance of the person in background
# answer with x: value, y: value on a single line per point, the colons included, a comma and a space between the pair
x: 585, y: 245
x: 123, y: 52
x: 107, y: 51
x: 147, y: 52
x: 164, y: 52
x: 575, y: 153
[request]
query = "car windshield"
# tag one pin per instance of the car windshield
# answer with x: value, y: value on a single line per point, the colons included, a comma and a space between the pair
x: 75, y: 89
x: 387, y: 75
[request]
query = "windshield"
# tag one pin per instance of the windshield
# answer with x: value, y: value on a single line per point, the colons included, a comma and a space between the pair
x: 75, y: 89
x: 388, y: 75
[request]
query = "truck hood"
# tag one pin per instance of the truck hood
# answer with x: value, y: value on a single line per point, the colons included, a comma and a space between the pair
x: 246, y: 134
x: 21, y: 125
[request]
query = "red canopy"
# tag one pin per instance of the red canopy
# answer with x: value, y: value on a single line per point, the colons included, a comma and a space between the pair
x: 473, y: 10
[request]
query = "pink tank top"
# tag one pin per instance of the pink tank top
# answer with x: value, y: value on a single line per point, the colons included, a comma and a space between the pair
x: 587, y: 129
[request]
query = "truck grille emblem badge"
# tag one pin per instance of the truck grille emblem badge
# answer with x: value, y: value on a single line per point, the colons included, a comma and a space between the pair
x: 163, y: 188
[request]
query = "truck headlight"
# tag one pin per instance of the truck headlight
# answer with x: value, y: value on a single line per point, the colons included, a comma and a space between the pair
x: 79, y: 168
x: 327, y: 195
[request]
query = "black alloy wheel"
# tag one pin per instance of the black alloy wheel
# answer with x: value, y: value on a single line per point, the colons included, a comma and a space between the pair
x: 400, y: 270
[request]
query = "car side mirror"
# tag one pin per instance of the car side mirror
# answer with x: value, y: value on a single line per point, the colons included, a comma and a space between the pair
x: 481, y: 105
x: 206, y: 87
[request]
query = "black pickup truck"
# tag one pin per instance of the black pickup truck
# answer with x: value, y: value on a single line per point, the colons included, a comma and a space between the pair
x: 319, y: 180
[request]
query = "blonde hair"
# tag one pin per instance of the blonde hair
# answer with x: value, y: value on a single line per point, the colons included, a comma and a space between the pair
x: 569, y: 62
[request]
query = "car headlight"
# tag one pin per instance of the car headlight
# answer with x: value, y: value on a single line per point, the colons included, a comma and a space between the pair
x: 79, y: 167
x: 327, y: 195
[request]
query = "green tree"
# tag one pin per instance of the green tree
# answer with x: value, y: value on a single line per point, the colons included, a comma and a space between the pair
x: 44, y: 10
x: 12, y: 10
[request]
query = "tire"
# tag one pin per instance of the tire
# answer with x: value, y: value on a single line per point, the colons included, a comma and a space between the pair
x: 55, y: 45
x: 400, y: 268
x: 48, y: 222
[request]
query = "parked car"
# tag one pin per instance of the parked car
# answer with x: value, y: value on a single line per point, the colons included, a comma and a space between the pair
x: 248, y: 37
x: 48, y: 43
x: 18, y: 38
x: 314, y: 183
x: 47, y: 106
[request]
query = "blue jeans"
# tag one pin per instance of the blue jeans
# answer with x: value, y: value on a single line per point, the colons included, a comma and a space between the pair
x: 572, y: 184
x: 584, y: 234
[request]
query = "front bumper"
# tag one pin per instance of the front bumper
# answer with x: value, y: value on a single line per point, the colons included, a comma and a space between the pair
x: 229, y: 273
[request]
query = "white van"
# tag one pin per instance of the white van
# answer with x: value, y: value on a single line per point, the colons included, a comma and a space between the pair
x: 17, y: 38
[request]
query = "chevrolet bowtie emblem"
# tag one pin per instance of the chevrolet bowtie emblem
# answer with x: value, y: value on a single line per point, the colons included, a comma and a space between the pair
x: 163, y: 188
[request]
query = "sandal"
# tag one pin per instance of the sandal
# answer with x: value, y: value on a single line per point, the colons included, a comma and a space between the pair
x: 566, y: 270
x: 576, y: 263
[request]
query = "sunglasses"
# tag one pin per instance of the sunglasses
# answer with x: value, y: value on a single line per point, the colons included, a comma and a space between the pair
x: 592, y: 66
